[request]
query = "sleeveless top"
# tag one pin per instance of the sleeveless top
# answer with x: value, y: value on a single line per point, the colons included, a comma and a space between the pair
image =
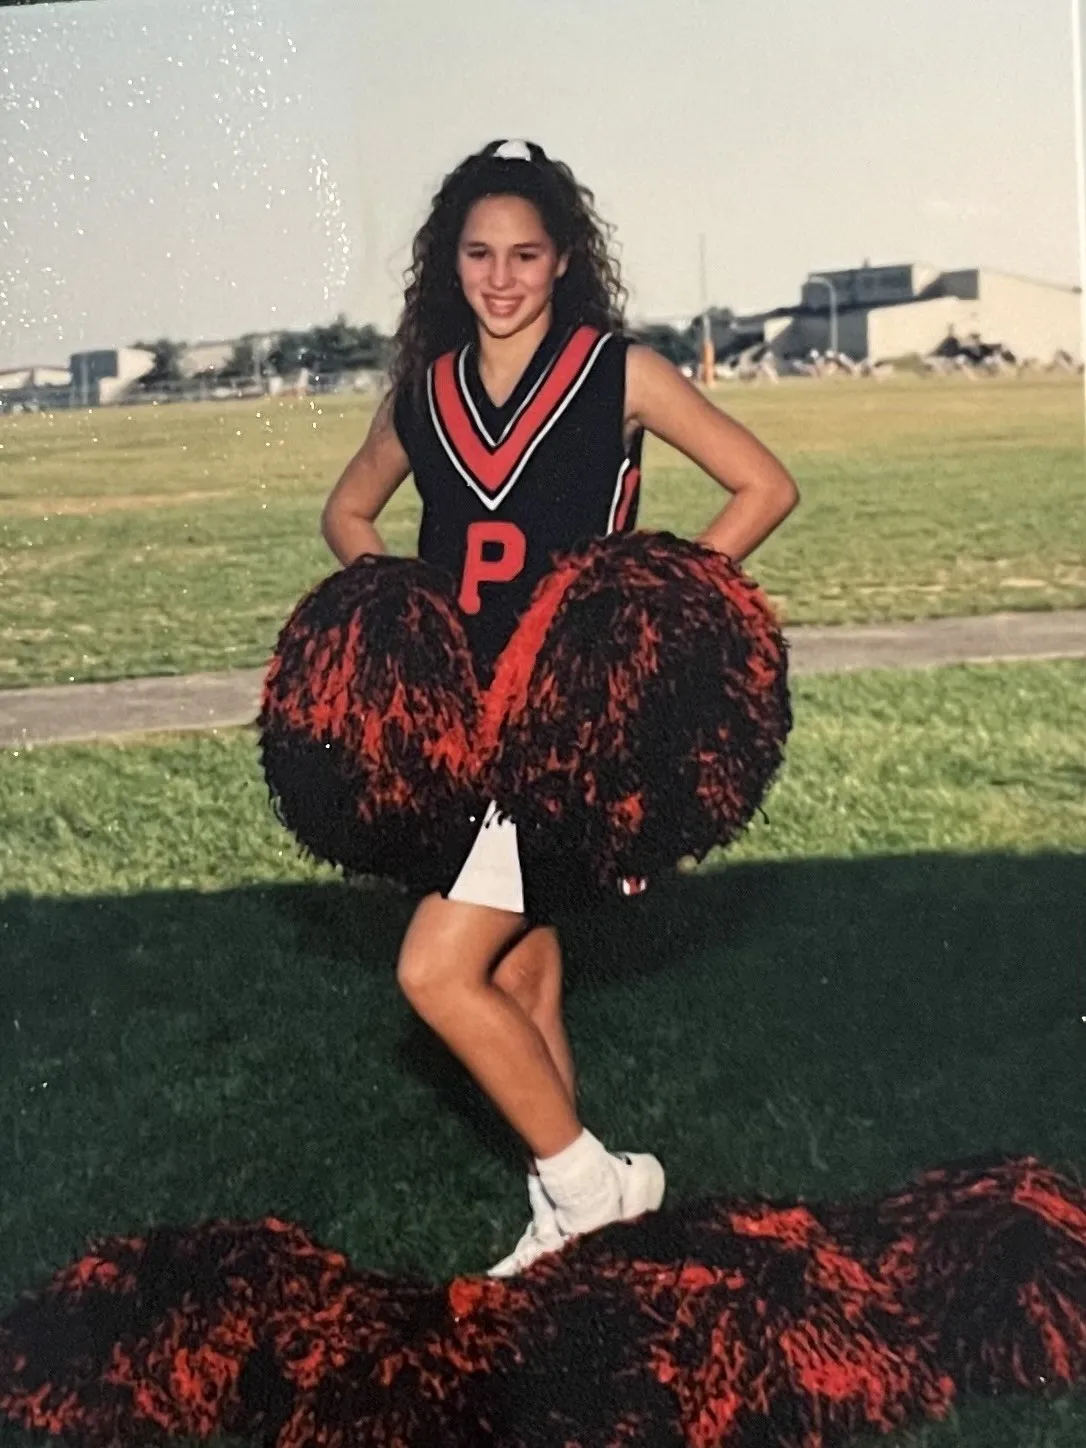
x: 504, y: 489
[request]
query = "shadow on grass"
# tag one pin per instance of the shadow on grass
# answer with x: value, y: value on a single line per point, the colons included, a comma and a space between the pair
x: 214, y: 1054
x: 903, y: 965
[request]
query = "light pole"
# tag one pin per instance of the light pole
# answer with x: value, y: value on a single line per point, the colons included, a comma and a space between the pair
x: 825, y: 282
x: 708, y: 355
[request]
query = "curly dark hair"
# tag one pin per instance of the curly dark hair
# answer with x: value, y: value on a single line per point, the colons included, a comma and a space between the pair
x: 436, y: 317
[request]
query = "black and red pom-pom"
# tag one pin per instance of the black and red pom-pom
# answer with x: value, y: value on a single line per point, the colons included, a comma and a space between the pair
x: 729, y: 1323
x: 640, y: 712
x: 992, y: 1259
x: 367, y: 721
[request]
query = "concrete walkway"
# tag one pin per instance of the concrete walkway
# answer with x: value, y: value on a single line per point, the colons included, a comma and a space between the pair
x: 221, y: 701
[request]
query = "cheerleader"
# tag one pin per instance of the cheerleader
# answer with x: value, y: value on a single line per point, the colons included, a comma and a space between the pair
x: 520, y: 408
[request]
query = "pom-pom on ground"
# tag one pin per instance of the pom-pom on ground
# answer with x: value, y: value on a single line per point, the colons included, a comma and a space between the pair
x: 992, y: 1259
x: 728, y: 1323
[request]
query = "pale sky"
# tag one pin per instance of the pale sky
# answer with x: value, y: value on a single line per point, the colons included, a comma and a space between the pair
x: 201, y: 168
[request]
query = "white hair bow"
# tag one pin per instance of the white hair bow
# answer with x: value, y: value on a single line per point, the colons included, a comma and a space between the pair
x: 513, y: 151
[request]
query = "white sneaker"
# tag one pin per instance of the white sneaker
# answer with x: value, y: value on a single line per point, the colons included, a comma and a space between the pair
x: 535, y: 1243
x: 641, y: 1181
x: 640, y: 1188
x: 542, y: 1235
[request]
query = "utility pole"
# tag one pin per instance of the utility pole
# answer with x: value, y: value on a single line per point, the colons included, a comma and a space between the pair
x: 708, y: 354
x: 1080, y: 162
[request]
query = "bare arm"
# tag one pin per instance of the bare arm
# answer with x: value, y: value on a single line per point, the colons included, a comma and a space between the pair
x: 368, y: 481
x: 763, y: 492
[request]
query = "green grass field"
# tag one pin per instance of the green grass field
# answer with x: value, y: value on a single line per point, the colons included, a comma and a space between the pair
x: 886, y: 973
x: 173, y: 539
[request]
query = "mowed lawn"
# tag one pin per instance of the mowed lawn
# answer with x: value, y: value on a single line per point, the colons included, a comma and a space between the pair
x: 885, y: 974
x: 164, y: 540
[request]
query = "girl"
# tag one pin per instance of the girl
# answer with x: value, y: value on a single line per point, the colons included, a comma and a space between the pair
x: 520, y: 408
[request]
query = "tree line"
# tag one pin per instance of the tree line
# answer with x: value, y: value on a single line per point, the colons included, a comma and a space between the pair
x: 335, y: 347
x: 340, y: 347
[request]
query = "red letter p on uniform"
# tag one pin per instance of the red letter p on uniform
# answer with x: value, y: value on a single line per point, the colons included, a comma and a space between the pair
x: 500, y: 569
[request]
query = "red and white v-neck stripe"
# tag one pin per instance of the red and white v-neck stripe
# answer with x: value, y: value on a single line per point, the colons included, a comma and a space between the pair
x: 492, y: 468
x: 476, y: 416
x: 629, y: 475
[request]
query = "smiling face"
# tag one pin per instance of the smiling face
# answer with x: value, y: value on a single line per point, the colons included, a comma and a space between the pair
x: 507, y: 264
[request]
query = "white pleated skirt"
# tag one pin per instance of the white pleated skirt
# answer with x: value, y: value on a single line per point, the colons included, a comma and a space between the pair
x: 491, y: 874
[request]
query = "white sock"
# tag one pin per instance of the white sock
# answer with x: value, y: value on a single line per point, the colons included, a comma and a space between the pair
x: 542, y: 1206
x: 581, y: 1182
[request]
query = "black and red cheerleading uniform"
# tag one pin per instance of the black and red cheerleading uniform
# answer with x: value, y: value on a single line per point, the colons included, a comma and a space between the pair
x: 505, y: 489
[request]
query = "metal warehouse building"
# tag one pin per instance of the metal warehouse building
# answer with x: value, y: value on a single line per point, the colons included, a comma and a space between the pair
x: 897, y: 311
x: 104, y: 375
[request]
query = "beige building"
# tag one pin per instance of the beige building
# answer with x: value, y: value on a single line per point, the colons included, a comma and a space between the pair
x: 22, y: 379
x: 212, y: 357
x: 899, y: 311
x: 28, y: 388
x: 205, y: 357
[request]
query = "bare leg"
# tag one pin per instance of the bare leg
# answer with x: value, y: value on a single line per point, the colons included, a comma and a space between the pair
x: 444, y: 971
x: 531, y: 972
